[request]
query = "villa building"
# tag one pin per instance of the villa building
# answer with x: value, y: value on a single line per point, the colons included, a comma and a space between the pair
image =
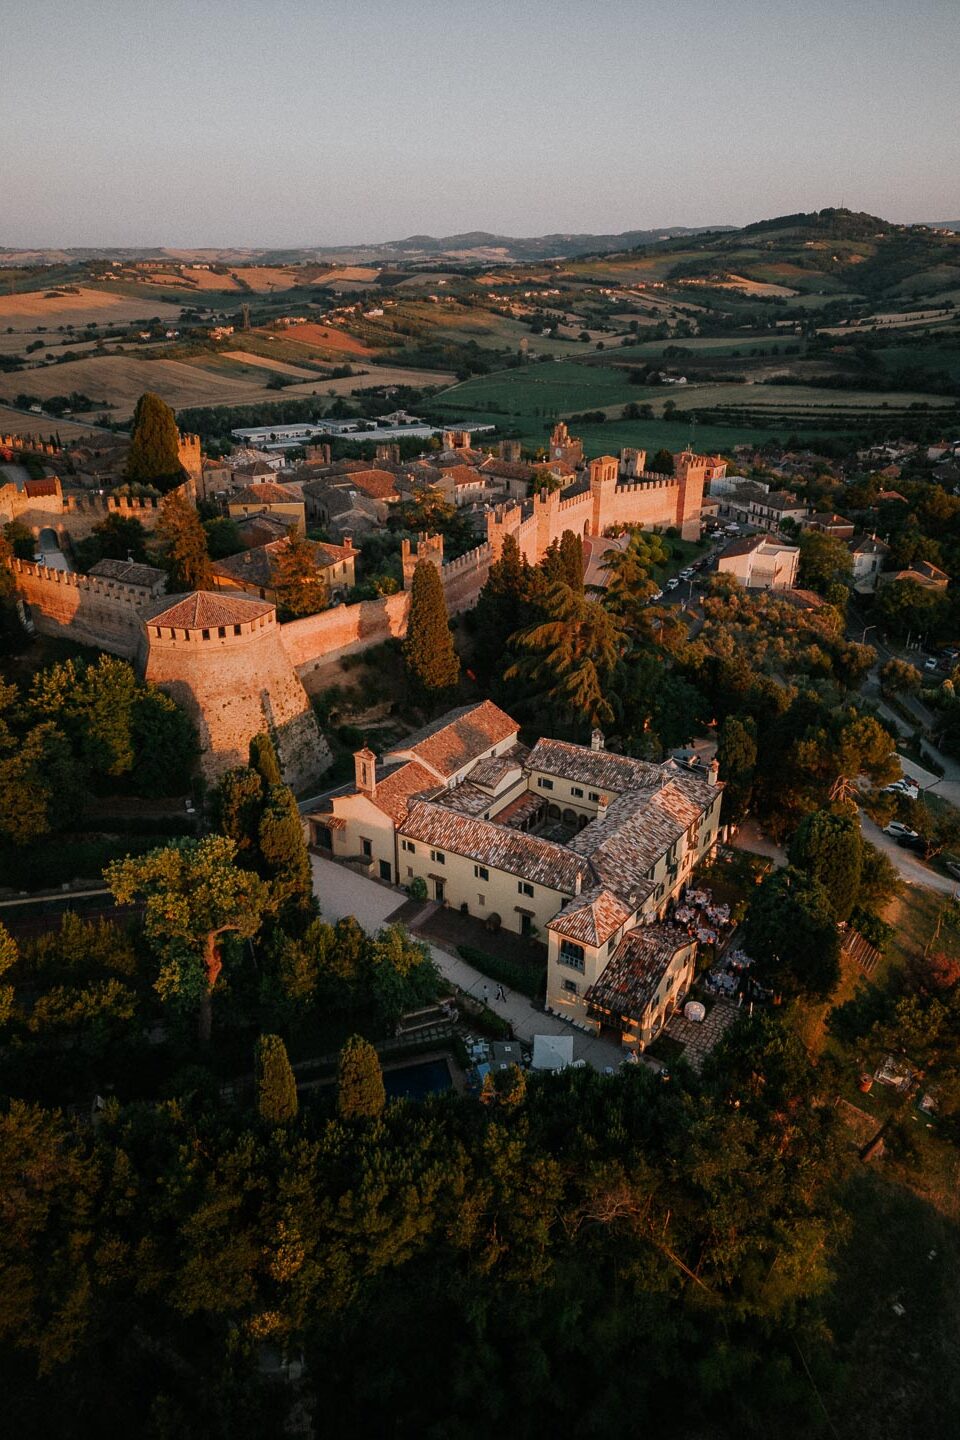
x: 570, y: 842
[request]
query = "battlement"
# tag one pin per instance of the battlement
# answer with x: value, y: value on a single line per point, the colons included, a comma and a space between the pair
x: 649, y: 480
x: 105, y: 504
x: 469, y: 561
x: 133, y: 595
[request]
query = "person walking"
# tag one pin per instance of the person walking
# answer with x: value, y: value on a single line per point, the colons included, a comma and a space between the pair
x: 500, y: 993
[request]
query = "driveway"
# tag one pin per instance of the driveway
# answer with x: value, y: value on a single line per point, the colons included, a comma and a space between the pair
x: 343, y: 892
x: 913, y: 870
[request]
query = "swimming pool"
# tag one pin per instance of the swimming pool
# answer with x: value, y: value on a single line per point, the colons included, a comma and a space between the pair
x: 416, y: 1082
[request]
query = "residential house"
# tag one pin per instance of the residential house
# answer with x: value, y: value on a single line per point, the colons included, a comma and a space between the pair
x: 931, y: 577
x: 341, y: 510
x: 262, y: 527
x: 836, y: 525
x: 253, y: 570
x: 868, y: 555
x: 269, y: 496
x: 760, y: 562
x: 752, y: 506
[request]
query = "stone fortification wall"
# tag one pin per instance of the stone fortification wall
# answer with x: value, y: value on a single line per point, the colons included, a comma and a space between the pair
x: 342, y: 631
x: 82, y: 512
x: 85, y: 608
x: 234, y: 687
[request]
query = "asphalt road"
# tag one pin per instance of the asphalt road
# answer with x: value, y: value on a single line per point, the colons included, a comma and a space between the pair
x: 913, y: 870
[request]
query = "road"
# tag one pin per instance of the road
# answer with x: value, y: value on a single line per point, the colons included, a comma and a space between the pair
x: 913, y: 870
x: 343, y: 892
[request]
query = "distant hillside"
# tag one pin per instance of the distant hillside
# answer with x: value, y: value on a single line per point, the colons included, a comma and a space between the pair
x: 826, y: 251
x: 480, y: 245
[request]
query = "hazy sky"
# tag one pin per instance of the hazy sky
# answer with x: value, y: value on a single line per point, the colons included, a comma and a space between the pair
x: 303, y: 122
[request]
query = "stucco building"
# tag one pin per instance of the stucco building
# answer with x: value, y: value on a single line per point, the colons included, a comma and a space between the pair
x: 760, y: 562
x: 569, y: 842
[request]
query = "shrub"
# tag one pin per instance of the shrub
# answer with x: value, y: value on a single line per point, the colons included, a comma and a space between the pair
x: 529, y: 980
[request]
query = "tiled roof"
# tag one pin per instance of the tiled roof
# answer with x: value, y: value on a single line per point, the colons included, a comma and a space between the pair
x: 465, y: 799
x: 593, y: 767
x: 129, y: 573
x: 379, y: 484
x: 538, y: 861
x: 744, y: 546
x: 869, y: 545
x: 35, y: 488
x: 396, y: 786
x: 592, y: 917
x: 458, y: 737
x: 632, y: 978
x: 269, y: 493
x: 465, y: 475
x: 508, y: 469
x: 491, y: 771
x: 263, y: 527
x: 256, y: 565
x: 202, y: 609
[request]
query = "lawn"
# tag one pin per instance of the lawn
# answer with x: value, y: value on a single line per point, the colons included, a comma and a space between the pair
x: 546, y: 390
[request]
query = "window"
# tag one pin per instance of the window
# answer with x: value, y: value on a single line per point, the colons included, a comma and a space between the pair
x: 237, y: 630
x: 409, y: 871
x: 222, y: 631
x: 576, y: 790
x: 366, y: 846
x: 438, y: 857
x: 481, y: 872
x: 571, y: 954
x: 595, y: 795
x: 206, y: 634
x: 569, y: 986
x: 481, y: 900
x: 544, y: 784
x: 523, y: 888
x: 409, y: 846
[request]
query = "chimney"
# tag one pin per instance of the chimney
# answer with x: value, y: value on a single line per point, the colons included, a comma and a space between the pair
x: 713, y: 772
x: 596, y: 740
x: 365, y: 771
x: 602, y: 804
x: 347, y: 540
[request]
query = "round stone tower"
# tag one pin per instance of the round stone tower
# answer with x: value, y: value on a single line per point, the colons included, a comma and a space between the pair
x: 221, y: 658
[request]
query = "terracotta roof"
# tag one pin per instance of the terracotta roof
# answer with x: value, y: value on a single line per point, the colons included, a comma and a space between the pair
x: 398, y: 784
x: 491, y: 771
x: 886, y: 496
x: 129, y: 573
x: 458, y: 737
x: 508, y: 469
x: 803, y: 599
x: 379, y: 484
x: 869, y: 545
x: 591, y: 918
x: 267, y: 493
x: 594, y: 767
x: 256, y: 565
x: 202, y: 610
x: 540, y: 862
x: 465, y: 475
x: 630, y: 982
x: 262, y: 527
x: 35, y: 488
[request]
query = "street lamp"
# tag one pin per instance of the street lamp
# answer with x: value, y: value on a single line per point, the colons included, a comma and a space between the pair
x: 866, y: 632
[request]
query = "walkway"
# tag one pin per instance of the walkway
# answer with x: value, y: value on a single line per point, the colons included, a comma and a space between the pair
x: 343, y: 892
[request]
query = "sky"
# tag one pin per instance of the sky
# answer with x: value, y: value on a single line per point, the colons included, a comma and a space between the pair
x: 324, y: 122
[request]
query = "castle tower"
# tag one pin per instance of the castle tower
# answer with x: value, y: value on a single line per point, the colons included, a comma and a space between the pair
x: 633, y: 463
x: 604, y: 472
x: 428, y: 547
x: 690, y: 471
x: 511, y: 450
x: 564, y: 446
x: 188, y: 453
x: 221, y: 658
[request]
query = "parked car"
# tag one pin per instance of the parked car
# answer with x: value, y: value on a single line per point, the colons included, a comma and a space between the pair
x: 912, y: 842
x: 909, y: 789
x: 931, y: 663
x: 657, y: 595
x: 900, y: 831
x: 672, y: 583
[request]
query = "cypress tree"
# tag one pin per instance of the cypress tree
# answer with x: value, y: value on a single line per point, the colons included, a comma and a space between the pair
x: 276, y: 1086
x: 299, y: 587
x: 432, y: 661
x: 154, y: 454
x: 571, y: 555
x: 360, y: 1092
x: 185, y: 545
x: 263, y: 759
x: 286, y: 863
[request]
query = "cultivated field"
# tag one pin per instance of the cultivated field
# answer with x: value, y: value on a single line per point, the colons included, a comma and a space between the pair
x: 100, y: 307
x: 16, y: 422
x: 119, y: 380
x: 324, y: 337
x: 264, y: 362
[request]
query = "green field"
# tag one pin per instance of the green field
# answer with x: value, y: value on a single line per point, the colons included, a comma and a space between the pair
x: 543, y: 391
x: 934, y: 358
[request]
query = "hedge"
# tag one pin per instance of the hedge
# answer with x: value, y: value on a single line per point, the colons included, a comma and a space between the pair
x: 529, y: 980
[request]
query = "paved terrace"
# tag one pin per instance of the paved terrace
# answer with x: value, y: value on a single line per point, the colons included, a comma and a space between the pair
x: 342, y: 892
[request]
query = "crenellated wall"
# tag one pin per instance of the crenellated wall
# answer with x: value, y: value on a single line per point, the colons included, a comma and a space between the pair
x: 85, y: 608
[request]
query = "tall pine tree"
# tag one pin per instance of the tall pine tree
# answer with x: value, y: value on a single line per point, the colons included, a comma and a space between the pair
x: 432, y: 662
x: 184, y: 544
x: 154, y: 455
x: 360, y: 1092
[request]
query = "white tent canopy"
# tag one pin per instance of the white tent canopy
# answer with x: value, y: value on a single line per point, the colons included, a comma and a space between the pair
x: 552, y: 1052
